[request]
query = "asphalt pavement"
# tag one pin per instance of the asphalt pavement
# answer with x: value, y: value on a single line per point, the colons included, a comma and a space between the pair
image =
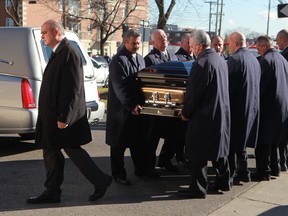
x: 22, y: 175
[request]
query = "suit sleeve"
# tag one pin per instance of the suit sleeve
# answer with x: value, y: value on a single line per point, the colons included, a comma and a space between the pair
x: 121, y: 81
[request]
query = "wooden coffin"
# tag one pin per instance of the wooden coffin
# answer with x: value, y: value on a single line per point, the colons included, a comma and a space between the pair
x: 164, y: 87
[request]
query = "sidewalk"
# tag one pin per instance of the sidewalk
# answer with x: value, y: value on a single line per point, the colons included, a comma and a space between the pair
x: 267, y: 198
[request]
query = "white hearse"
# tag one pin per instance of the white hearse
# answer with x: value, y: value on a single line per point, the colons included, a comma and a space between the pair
x: 23, y: 58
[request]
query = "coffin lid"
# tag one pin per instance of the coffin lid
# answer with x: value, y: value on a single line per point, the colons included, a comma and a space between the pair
x: 170, y: 69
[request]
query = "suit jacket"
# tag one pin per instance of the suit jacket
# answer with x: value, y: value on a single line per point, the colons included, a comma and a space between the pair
x: 207, y: 107
x: 182, y: 55
x: 123, y: 95
x: 155, y: 57
x: 244, y: 92
x: 284, y: 53
x: 62, y: 98
x: 273, y: 98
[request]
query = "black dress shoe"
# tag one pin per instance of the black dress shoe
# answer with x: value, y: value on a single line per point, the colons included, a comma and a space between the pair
x: 168, y: 166
x: 283, y: 167
x: 45, y: 197
x: 260, y: 177
x: 100, y: 192
x: 148, y: 173
x: 182, y: 163
x: 216, y: 188
x: 122, y: 180
x: 190, y: 194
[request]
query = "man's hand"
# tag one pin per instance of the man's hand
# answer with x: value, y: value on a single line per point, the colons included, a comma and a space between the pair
x: 61, y: 125
x: 136, y: 110
x: 182, y: 116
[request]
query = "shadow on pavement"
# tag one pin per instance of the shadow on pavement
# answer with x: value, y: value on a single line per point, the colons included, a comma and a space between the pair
x: 23, y: 179
x: 15, y: 145
x: 276, y: 211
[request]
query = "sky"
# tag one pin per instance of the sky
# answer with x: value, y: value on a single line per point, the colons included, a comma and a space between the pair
x: 240, y: 15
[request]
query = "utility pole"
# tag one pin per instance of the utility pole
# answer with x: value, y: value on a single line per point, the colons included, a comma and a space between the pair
x: 220, y: 22
x: 210, y: 14
x: 268, y: 21
x: 217, y: 14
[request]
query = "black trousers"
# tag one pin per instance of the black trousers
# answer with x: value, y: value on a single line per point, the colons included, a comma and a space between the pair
x: 267, y: 159
x: 117, y: 159
x: 54, y: 162
x: 174, y: 140
x: 152, y: 129
x: 199, y: 175
x: 283, y: 151
x: 238, y: 164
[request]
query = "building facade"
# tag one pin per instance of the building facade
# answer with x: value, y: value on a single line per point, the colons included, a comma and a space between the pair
x: 92, y: 20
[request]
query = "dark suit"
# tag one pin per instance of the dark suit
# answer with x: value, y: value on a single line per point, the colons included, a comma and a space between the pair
x: 62, y: 98
x: 182, y: 55
x: 159, y: 126
x: 283, y: 151
x: 207, y: 107
x: 274, y: 111
x: 122, y: 130
x: 244, y: 83
x: 284, y: 53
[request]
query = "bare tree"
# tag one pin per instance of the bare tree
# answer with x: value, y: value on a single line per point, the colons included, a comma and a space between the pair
x: 13, y: 11
x: 164, y: 16
x: 105, y: 16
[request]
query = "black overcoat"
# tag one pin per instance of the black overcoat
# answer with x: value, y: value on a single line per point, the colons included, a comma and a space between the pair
x: 207, y: 108
x: 62, y: 98
x: 123, y: 95
x: 244, y: 92
x: 182, y: 55
x: 155, y: 57
x: 284, y: 53
x: 273, y: 98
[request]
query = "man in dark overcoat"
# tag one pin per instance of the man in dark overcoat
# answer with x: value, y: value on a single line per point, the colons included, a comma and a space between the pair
x: 62, y: 120
x: 184, y: 53
x: 207, y: 109
x: 273, y: 108
x: 123, y: 108
x: 282, y: 42
x: 244, y: 83
x: 158, y: 126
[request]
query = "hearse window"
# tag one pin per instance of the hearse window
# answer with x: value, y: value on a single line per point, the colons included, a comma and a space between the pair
x: 47, y: 51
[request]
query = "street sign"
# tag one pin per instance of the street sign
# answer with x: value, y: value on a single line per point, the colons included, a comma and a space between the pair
x: 282, y: 10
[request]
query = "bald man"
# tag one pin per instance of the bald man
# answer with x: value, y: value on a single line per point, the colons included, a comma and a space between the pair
x: 156, y: 126
x: 282, y: 42
x: 244, y: 81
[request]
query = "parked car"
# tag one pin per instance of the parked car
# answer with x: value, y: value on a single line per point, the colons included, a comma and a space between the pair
x: 101, y: 70
x: 23, y: 60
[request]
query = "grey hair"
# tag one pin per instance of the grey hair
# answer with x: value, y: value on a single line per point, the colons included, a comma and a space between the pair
x: 154, y: 33
x: 131, y: 33
x: 54, y: 24
x: 264, y: 40
x: 201, y: 37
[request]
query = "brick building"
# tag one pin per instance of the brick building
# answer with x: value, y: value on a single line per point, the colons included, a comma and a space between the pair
x: 33, y: 13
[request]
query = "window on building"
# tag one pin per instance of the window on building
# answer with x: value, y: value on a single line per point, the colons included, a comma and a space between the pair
x: 61, y: 5
x: 74, y: 7
x: 75, y: 26
x: 9, y: 22
x: 89, y: 27
x: 8, y: 3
